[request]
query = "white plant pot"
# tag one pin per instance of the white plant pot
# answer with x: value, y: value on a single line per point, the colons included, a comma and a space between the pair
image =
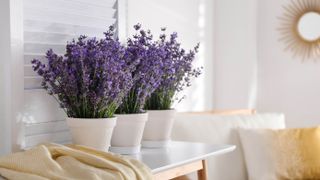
x: 158, y: 128
x: 127, y: 135
x: 95, y: 133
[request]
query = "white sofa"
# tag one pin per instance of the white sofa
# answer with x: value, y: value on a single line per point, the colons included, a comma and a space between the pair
x: 222, y: 129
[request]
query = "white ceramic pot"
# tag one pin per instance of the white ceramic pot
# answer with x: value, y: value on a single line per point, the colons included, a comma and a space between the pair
x: 95, y: 133
x: 127, y: 135
x: 158, y: 128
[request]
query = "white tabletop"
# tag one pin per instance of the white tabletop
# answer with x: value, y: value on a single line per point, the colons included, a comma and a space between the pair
x: 179, y: 153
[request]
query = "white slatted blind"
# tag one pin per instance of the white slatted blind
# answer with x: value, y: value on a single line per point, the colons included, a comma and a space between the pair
x: 50, y: 24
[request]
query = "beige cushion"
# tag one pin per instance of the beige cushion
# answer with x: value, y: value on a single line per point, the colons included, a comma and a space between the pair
x: 220, y: 129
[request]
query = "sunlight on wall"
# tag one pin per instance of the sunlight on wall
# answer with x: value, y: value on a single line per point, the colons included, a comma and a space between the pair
x: 235, y: 54
x: 196, y: 94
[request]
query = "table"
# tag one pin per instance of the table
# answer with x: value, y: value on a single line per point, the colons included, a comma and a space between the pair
x: 180, y: 158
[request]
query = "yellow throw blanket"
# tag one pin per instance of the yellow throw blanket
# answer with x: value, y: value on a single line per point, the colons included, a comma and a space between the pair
x: 53, y: 161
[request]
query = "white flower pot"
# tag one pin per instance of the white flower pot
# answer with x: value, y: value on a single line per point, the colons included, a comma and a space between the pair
x: 127, y: 135
x: 158, y: 128
x: 95, y: 133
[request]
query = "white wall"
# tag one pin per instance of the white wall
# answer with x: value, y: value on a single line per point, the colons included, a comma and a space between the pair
x: 252, y: 70
x: 235, y: 54
x: 285, y: 83
x: 193, y: 20
x: 5, y: 138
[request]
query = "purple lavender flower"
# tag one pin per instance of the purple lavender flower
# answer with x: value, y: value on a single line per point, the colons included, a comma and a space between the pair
x: 91, y: 79
x: 177, y: 72
x: 148, y: 59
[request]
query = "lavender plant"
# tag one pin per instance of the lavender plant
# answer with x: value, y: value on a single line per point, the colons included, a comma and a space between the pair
x: 145, y: 53
x: 177, y: 73
x: 91, y: 79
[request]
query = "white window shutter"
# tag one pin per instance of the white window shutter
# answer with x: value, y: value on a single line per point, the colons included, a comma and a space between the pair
x: 50, y: 24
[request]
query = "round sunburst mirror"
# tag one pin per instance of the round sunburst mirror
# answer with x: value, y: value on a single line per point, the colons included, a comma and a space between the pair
x: 300, y: 28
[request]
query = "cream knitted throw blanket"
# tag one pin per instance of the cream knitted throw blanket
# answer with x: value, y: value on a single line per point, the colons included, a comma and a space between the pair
x: 53, y: 161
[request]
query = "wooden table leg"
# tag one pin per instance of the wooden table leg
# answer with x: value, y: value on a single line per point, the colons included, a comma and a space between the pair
x: 179, y: 171
x: 202, y: 173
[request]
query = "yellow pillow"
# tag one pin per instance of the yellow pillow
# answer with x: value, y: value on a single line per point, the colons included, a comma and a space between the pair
x: 282, y: 154
x: 297, y: 153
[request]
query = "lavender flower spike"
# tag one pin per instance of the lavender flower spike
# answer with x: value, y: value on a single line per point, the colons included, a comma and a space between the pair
x: 91, y: 79
x: 177, y: 72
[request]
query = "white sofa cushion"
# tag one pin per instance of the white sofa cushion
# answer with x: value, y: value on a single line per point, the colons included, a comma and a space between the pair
x: 257, y: 147
x: 222, y: 129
